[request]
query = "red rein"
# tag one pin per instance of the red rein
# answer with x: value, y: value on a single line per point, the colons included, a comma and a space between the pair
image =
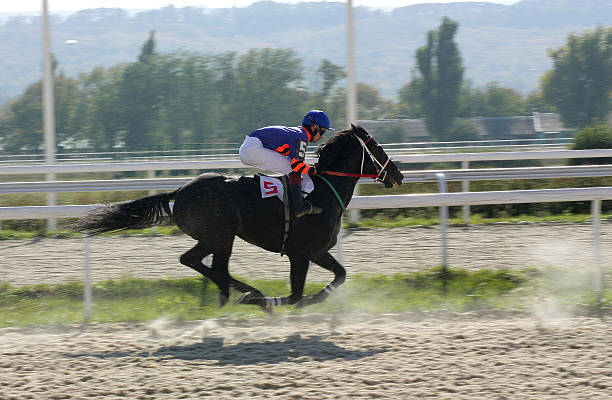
x: 346, y: 174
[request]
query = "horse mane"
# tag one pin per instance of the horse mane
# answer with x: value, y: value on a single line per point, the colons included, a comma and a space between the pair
x: 333, y: 147
x: 330, y: 144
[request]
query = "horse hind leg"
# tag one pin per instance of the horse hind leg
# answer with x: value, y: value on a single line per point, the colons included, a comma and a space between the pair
x: 193, y: 259
x: 220, y: 276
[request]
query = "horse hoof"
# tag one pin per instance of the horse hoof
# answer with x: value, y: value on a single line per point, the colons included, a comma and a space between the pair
x: 306, y: 301
x: 223, y: 299
x: 249, y: 297
x: 267, y: 309
x: 302, y: 303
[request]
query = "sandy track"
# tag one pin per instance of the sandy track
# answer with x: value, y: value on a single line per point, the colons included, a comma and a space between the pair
x: 313, y: 357
x: 406, y: 356
x: 364, y: 251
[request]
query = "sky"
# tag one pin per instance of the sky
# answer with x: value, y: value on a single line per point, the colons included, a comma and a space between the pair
x: 75, y: 5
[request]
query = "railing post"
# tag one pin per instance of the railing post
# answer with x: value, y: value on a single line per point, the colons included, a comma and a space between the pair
x: 151, y: 175
x: 338, y: 247
x: 597, y: 279
x: 443, y: 220
x: 51, y: 201
x: 354, y: 214
x: 351, y: 90
x: 465, y: 187
x: 87, y: 289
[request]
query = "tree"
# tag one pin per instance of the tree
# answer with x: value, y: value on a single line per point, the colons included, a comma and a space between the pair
x: 535, y: 103
x: 371, y: 103
x: 441, y: 73
x: 225, y: 94
x: 103, y: 107
x: 410, y: 105
x: 330, y: 75
x: 580, y: 82
x: 139, y: 98
x: 493, y: 101
x: 147, y: 51
x: 265, y: 89
x: 25, y: 116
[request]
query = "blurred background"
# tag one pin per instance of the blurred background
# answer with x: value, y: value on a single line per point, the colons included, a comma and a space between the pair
x: 179, y: 77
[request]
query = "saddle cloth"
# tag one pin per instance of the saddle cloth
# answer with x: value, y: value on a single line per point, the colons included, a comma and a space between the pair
x: 272, y: 186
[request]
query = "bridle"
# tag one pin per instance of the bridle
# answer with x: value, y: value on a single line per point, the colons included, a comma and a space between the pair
x: 381, y: 173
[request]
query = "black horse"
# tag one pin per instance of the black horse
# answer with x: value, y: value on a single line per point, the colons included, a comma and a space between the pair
x: 214, y: 209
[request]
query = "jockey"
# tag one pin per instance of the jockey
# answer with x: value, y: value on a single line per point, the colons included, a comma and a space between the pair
x: 282, y: 149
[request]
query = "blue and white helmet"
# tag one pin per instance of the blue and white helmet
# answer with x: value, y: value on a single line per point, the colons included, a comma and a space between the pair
x: 317, y: 117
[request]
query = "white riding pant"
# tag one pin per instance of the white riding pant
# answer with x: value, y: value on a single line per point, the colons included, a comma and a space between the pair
x: 253, y: 153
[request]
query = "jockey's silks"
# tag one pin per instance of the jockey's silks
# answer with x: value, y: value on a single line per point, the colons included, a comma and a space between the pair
x: 281, y: 138
x: 284, y: 140
x: 300, y: 166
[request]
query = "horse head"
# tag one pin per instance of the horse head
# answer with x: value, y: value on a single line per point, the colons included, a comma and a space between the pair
x: 355, y: 153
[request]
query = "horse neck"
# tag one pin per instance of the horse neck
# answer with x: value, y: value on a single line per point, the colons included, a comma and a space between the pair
x: 344, y: 186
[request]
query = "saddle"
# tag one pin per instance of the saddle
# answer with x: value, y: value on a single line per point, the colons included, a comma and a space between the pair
x: 271, y: 186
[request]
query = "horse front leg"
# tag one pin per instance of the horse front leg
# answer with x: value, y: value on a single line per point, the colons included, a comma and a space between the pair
x: 299, y: 270
x: 328, y: 262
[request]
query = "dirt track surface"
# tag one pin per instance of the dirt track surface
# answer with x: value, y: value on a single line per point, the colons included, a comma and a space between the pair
x: 387, y: 251
x: 313, y: 357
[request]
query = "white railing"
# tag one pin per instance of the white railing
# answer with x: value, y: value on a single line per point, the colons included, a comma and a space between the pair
x: 373, y: 202
x: 236, y: 164
x: 230, y: 150
x: 487, y: 174
x: 463, y: 158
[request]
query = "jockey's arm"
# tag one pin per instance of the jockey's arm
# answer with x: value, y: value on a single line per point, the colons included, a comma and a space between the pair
x: 297, y: 162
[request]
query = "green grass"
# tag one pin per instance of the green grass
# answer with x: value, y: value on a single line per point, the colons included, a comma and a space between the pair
x: 184, y: 299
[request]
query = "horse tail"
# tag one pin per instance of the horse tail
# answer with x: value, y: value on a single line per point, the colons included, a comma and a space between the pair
x: 140, y: 213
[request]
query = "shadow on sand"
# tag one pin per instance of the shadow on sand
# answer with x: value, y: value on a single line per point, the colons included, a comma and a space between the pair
x: 293, y: 349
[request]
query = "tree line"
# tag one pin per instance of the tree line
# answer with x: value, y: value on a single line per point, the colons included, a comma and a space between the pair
x: 174, y: 100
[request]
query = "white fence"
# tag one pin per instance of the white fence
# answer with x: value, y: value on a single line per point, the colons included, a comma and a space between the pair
x: 373, y: 202
x: 230, y: 150
x: 75, y: 167
x: 409, y: 176
x: 463, y: 158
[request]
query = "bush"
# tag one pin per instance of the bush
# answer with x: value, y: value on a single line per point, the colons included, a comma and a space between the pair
x: 598, y: 136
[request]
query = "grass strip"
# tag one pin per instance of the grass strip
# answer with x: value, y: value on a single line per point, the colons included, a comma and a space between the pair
x: 185, y: 299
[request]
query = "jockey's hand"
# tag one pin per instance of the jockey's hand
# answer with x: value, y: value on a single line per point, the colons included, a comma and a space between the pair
x: 312, y: 170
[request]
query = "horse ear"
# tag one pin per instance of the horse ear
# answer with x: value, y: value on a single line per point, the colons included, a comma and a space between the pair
x: 359, y: 131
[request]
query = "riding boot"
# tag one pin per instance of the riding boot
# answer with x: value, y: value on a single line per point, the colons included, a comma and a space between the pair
x: 299, y: 205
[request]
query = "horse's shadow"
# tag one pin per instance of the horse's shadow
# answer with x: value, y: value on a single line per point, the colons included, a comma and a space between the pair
x: 293, y: 349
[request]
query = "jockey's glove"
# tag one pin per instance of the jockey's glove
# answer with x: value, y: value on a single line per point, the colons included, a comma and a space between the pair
x: 312, y: 170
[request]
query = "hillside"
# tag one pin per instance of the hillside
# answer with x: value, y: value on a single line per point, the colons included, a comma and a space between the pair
x: 507, y: 44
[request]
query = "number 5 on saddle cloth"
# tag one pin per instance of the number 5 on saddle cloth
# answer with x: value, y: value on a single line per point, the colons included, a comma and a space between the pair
x: 271, y: 186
